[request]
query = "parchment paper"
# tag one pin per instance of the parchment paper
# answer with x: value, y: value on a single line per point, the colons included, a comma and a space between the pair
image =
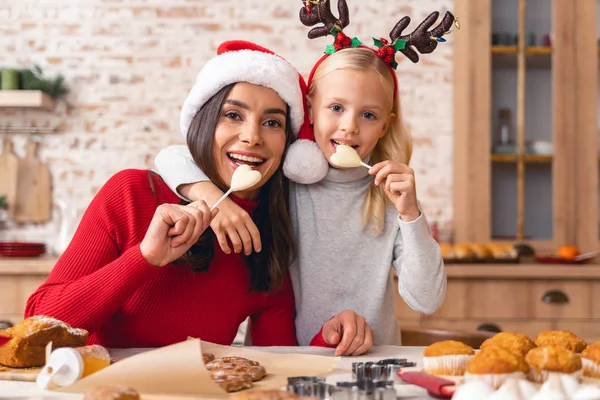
x: 179, y: 370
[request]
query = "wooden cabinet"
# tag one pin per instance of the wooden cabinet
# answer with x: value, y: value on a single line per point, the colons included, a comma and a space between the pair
x: 522, y: 298
x: 519, y: 195
x: 19, y: 278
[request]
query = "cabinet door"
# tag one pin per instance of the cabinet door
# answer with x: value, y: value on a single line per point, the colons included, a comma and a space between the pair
x: 526, y: 168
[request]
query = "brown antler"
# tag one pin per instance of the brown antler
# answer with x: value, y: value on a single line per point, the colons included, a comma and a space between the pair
x: 315, y: 11
x: 423, y: 40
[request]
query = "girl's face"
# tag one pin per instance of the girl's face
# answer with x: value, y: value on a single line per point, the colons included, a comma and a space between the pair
x: 251, y: 130
x: 350, y: 107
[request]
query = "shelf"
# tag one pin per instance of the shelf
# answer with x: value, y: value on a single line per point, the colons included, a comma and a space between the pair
x: 25, y: 99
x: 504, y: 57
x: 528, y: 158
x: 536, y: 50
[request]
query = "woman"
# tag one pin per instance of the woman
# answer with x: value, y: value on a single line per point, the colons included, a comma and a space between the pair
x: 143, y: 270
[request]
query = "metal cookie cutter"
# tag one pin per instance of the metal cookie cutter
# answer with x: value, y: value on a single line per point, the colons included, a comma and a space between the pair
x: 365, y: 390
x: 383, y: 370
x: 310, y: 386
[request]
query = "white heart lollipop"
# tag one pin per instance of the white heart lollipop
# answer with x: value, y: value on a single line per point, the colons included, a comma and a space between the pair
x: 244, y: 177
x: 346, y: 157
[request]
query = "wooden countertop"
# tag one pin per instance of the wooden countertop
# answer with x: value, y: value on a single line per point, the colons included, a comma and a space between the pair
x: 43, y: 266
x: 27, y: 265
x: 523, y: 271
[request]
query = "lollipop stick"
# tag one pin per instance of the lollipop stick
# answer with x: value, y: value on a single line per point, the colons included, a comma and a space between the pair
x: 221, y: 199
x: 365, y: 165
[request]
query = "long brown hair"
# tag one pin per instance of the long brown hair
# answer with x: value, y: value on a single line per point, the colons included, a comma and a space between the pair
x: 267, y: 268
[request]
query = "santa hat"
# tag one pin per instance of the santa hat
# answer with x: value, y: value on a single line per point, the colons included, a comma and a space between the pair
x: 242, y: 61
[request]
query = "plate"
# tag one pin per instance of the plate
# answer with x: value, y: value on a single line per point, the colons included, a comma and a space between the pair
x: 551, y: 259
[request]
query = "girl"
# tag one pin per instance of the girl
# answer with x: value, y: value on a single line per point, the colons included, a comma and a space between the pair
x: 127, y: 276
x: 350, y: 228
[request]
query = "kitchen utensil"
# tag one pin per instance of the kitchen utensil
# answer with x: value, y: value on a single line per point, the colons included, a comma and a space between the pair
x: 244, y: 177
x: 437, y: 387
x: 34, y: 191
x: 383, y: 370
x: 346, y: 157
x: 9, y: 169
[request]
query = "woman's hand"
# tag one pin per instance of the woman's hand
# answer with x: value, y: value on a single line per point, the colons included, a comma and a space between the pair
x: 399, y: 186
x: 233, y: 222
x: 173, y: 230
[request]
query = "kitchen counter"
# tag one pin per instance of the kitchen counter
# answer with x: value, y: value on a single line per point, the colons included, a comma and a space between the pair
x: 341, y: 373
x: 27, y: 265
x: 43, y: 265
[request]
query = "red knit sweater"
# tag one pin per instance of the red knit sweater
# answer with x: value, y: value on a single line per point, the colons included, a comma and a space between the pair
x: 103, y: 284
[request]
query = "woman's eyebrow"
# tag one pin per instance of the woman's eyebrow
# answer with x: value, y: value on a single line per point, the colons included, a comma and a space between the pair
x: 237, y: 103
x: 247, y: 107
x: 275, y: 111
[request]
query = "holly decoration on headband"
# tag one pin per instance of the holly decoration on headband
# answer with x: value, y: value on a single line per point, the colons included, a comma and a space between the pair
x: 387, y: 51
x: 341, y: 41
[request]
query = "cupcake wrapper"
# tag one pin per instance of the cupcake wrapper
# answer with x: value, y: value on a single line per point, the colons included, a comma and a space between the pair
x: 542, y: 376
x: 446, y: 365
x: 590, y: 368
x: 495, y: 380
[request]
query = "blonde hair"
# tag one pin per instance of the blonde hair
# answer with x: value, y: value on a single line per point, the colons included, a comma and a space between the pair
x: 395, y: 145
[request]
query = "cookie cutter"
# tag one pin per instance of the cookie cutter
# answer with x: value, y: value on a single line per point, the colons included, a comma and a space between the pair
x: 365, y: 390
x: 383, y: 370
x: 310, y: 386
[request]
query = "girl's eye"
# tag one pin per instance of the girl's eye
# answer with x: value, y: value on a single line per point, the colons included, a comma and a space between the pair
x: 369, y: 115
x: 273, y: 123
x: 336, y: 108
x: 233, y: 115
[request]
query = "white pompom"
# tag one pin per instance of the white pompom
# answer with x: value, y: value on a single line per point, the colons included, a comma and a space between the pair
x: 305, y: 163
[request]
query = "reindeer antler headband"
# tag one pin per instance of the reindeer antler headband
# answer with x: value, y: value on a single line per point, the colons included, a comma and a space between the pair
x: 423, y: 40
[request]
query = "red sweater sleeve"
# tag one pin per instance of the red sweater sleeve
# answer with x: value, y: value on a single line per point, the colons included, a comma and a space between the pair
x: 275, y: 325
x: 103, y: 266
x: 319, y: 341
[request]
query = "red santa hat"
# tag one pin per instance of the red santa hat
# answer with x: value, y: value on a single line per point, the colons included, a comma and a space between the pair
x: 242, y: 61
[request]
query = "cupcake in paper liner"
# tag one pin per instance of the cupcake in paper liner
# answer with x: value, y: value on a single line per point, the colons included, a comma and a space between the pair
x: 566, y: 339
x: 547, y: 359
x: 495, y: 365
x: 590, y: 360
x: 515, y: 342
x: 448, y: 357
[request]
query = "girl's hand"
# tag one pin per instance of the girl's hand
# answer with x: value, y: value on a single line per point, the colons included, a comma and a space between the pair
x: 173, y: 230
x: 233, y: 222
x: 399, y: 186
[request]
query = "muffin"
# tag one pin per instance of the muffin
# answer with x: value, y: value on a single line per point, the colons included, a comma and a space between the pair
x: 565, y: 339
x: 503, y: 251
x: 482, y: 252
x: 590, y: 360
x: 495, y: 364
x: 515, y: 342
x: 546, y: 359
x: 448, y: 357
x: 463, y: 252
x: 447, y: 251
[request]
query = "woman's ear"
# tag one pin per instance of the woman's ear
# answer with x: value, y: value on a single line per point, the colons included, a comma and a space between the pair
x: 387, y: 124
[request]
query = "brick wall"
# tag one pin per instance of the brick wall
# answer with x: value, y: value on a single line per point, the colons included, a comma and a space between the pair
x: 130, y: 63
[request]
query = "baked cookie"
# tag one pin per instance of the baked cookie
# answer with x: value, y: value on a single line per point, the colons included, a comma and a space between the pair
x: 207, y: 357
x: 256, y: 372
x: 231, y: 382
x: 112, y: 392
x: 230, y: 362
